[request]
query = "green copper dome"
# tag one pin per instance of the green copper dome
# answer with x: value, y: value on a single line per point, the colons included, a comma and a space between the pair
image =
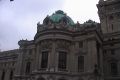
x: 59, y: 15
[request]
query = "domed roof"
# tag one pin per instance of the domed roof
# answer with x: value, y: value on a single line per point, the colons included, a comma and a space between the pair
x: 59, y: 15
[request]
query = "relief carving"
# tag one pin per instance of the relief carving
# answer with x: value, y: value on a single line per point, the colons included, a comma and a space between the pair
x: 64, y: 45
x: 46, y: 45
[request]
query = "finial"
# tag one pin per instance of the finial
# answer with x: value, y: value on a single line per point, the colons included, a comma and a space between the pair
x: 78, y: 24
x: 38, y: 23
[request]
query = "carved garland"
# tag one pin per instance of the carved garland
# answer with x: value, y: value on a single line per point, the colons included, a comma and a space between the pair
x: 64, y: 45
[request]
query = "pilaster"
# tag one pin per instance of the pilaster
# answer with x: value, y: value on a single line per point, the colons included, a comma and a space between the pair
x: 37, y: 62
x: 18, y: 66
x: 34, y: 59
x: 7, y: 75
x: 72, y: 60
x: 1, y: 73
x: 52, y: 58
x: 92, y: 55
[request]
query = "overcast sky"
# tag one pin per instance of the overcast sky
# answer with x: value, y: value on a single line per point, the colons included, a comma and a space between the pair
x: 18, y: 19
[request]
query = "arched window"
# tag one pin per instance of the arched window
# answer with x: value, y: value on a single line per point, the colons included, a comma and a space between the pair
x: 28, y: 65
x: 11, y: 75
x: 62, y: 60
x: 3, y: 75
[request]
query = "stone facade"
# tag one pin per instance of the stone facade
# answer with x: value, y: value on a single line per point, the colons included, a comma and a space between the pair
x: 8, y: 60
x: 64, y: 50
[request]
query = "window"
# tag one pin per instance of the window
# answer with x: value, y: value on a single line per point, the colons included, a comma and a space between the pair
x: 28, y: 67
x: 44, y: 60
x: 114, y: 68
x: 80, y: 63
x: 80, y: 44
x: 11, y: 75
x: 3, y: 75
x: 62, y: 60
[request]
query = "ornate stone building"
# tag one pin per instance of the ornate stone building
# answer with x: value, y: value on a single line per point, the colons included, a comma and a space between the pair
x: 64, y: 50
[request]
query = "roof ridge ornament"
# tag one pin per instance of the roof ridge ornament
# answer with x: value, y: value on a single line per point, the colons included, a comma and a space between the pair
x: 60, y: 12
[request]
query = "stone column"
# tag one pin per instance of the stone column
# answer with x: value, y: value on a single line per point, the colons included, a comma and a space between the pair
x: 34, y: 59
x: 7, y: 74
x: 18, y: 65
x: 1, y: 74
x: 56, y: 57
x: 101, y: 64
x: 71, y: 61
x: 52, y: 58
x: 92, y: 55
x: 37, y: 57
x: 39, y: 60
x: 94, y: 52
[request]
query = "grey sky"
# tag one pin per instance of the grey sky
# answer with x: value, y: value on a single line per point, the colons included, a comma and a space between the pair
x: 18, y: 19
